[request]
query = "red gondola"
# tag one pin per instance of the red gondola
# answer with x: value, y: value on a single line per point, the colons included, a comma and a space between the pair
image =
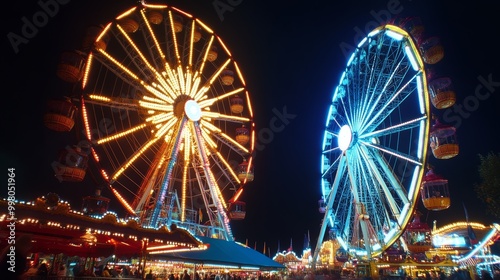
x: 245, y: 172
x: 237, y: 210
x: 227, y: 77
x: 60, y: 115
x: 155, y: 17
x: 442, y: 93
x: 242, y: 135
x: 434, y: 192
x: 70, y: 66
x: 71, y: 165
x: 418, y: 235
x: 93, y: 41
x: 236, y: 104
x: 212, y: 54
x: 432, y: 50
x: 443, y: 141
x: 128, y: 24
x: 95, y: 204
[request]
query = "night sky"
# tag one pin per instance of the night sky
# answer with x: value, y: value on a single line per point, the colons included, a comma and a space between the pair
x: 292, y: 56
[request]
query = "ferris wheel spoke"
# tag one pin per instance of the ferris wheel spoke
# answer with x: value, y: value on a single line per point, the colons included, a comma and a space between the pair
x: 211, y: 101
x: 380, y: 111
x: 133, y: 158
x: 382, y: 90
x: 394, y: 129
x: 210, y: 130
x: 393, y: 152
x: 386, y: 180
x: 153, y: 45
x: 113, y: 103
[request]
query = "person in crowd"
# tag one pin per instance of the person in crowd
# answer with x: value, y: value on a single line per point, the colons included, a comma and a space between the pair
x: 105, y: 272
x: 150, y: 274
x: 186, y: 276
x: 62, y: 272
x: 43, y: 271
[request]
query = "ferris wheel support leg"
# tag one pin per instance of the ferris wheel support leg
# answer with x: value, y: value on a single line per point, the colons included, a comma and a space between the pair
x: 164, y: 186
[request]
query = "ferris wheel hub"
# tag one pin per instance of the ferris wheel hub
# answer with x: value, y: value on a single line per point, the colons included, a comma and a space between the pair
x: 345, y: 137
x: 192, y: 110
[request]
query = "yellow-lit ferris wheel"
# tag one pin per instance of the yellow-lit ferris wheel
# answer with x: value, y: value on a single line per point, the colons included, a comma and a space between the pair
x: 169, y: 118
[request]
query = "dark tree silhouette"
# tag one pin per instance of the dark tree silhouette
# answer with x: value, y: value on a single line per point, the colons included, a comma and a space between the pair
x: 488, y: 190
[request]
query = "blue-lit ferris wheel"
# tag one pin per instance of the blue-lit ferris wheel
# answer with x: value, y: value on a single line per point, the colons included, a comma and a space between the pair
x: 375, y: 144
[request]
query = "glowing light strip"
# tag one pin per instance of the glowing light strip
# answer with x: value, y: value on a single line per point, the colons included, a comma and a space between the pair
x: 403, y: 214
x: 174, y: 36
x: 209, y: 102
x: 155, y: 100
x: 154, y: 6
x: 249, y: 106
x: 87, y: 70
x: 156, y: 106
x: 122, y: 200
x: 216, y: 75
x: 420, y: 94
x: 180, y: 76
x: 155, y: 40
x: 187, y: 158
x: 413, y: 183
x: 224, y: 46
x: 374, y: 32
x: 459, y: 225
x: 237, y: 195
x: 412, y: 59
x: 165, y: 127
x: 392, y: 153
x: 162, y: 117
x: 137, y: 50
x: 194, y: 88
x: 126, y: 70
x: 105, y: 30
x: 126, y: 13
x: 121, y: 134
x: 394, y: 35
x: 223, y: 116
x: 86, y: 121
x: 172, y: 81
x: 99, y: 97
x: 182, y: 12
x: 200, y: 94
x: 387, y: 130
x: 227, y: 165
x: 189, y: 78
x: 205, y: 26
x: 191, y: 42
x: 238, y: 71
x: 362, y: 42
x: 420, y: 149
x: 133, y: 158
x: 209, y: 48
x: 206, y: 136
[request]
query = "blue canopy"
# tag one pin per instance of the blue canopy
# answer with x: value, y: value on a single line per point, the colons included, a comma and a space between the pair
x: 230, y: 253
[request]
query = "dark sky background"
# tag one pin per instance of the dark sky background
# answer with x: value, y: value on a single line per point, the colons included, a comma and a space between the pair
x: 292, y: 55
